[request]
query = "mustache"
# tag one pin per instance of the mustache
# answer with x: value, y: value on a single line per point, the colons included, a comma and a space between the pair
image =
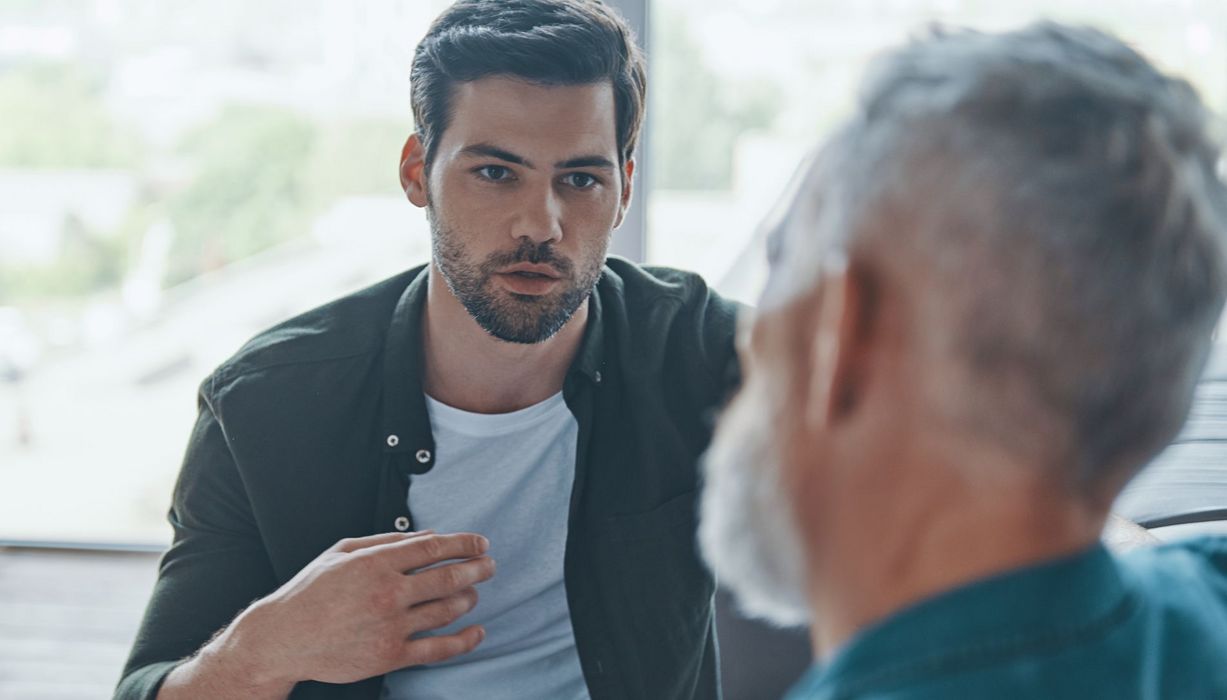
x: 529, y: 252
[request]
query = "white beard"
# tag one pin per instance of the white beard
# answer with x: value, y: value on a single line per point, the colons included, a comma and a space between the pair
x: 746, y: 528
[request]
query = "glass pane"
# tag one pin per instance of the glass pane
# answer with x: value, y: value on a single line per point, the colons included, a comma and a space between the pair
x: 741, y: 89
x: 175, y: 177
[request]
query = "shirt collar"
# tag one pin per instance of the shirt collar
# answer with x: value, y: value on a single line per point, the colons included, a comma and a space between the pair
x: 406, y: 423
x: 590, y: 359
x: 1062, y: 597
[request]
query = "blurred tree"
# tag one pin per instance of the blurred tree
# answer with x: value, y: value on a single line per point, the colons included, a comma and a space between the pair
x: 248, y: 190
x: 54, y: 117
x: 357, y: 157
x: 87, y: 262
x: 697, y: 117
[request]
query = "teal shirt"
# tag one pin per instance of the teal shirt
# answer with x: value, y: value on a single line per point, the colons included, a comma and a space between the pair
x: 1149, y: 624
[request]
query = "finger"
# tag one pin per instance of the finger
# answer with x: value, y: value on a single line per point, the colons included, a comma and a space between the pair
x: 449, y: 579
x: 424, y: 551
x: 432, y: 650
x: 441, y: 612
x: 353, y: 544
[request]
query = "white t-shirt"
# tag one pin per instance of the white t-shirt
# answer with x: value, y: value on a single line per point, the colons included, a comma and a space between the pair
x: 508, y: 477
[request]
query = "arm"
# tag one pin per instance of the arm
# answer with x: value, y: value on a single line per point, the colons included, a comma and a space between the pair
x: 347, y: 616
x: 215, y: 567
x: 226, y: 668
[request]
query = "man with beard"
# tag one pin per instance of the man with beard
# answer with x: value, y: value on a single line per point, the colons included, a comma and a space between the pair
x: 991, y: 296
x: 358, y: 471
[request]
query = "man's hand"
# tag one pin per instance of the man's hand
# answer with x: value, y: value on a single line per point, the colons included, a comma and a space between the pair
x: 348, y: 615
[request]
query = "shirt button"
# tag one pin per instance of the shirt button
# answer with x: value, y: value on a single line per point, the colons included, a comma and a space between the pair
x: 597, y: 377
x: 402, y: 523
x: 423, y: 456
x: 393, y: 441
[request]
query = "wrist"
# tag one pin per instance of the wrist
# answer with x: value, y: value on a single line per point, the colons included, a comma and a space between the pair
x: 242, y: 652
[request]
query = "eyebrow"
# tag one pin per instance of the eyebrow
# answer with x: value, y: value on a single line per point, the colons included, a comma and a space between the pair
x: 490, y: 151
x: 586, y: 162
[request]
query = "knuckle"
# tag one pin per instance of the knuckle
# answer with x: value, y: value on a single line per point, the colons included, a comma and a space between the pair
x: 424, y: 652
x: 363, y: 563
x: 438, y: 616
x: 432, y: 547
x: 456, y: 607
x: 447, y: 647
x: 451, y: 577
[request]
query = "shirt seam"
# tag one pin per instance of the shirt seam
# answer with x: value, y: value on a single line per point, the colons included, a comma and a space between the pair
x: 229, y: 371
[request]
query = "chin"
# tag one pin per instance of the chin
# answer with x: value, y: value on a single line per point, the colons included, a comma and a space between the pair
x: 745, y: 528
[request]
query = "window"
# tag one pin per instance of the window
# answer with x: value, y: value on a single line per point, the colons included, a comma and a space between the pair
x: 175, y: 178
x: 741, y: 89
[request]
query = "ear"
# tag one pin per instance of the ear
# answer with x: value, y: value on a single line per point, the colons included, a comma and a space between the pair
x: 628, y: 179
x: 841, y: 345
x: 413, y: 171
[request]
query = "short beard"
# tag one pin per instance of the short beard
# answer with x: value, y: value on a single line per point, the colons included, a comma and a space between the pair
x: 513, y: 318
x: 746, y: 528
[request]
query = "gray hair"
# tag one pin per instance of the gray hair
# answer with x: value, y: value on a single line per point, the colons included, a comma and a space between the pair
x: 1060, y: 199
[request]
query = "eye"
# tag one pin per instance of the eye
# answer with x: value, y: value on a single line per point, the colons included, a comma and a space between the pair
x: 580, y: 181
x: 494, y: 173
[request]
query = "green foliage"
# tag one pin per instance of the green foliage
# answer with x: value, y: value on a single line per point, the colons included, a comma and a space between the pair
x: 54, y: 117
x: 697, y: 117
x: 358, y: 157
x: 87, y: 262
x: 249, y: 189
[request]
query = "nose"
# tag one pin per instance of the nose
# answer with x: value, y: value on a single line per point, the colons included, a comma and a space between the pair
x: 539, y: 218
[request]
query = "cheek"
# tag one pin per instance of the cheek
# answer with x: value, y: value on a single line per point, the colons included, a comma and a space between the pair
x: 590, y: 219
x: 792, y: 437
x: 468, y: 215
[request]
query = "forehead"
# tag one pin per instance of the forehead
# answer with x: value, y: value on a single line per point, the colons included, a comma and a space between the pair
x: 529, y: 119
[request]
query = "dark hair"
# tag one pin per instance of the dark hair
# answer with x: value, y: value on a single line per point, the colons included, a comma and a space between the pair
x: 548, y: 42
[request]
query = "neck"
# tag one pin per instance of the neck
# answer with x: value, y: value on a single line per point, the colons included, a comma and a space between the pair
x: 469, y: 369
x: 929, y: 532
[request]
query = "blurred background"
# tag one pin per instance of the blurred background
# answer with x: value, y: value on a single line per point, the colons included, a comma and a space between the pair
x: 175, y: 177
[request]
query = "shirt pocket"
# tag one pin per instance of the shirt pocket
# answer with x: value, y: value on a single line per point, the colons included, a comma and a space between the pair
x: 663, y: 591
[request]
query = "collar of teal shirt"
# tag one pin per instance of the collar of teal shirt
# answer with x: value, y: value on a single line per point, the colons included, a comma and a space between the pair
x: 1025, y: 610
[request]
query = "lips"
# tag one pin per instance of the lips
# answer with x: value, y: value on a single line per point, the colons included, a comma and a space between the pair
x: 532, y: 271
x: 529, y: 279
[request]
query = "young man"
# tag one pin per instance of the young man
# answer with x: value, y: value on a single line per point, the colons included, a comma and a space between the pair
x: 991, y: 297
x: 358, y: 471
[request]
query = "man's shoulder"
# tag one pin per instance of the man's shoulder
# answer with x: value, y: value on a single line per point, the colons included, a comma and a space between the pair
x: 347, y: 327
x: 665, y: 313
x: 1173, y: 569
x: 656, y: 294
x: 1182, y: 586
x: 650, y: 284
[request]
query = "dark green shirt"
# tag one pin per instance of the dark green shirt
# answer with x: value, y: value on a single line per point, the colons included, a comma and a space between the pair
x: 311, y: 433
x: 1149, y: 625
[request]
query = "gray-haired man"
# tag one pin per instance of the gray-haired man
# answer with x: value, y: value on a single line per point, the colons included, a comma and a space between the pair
x: 991, y: 297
